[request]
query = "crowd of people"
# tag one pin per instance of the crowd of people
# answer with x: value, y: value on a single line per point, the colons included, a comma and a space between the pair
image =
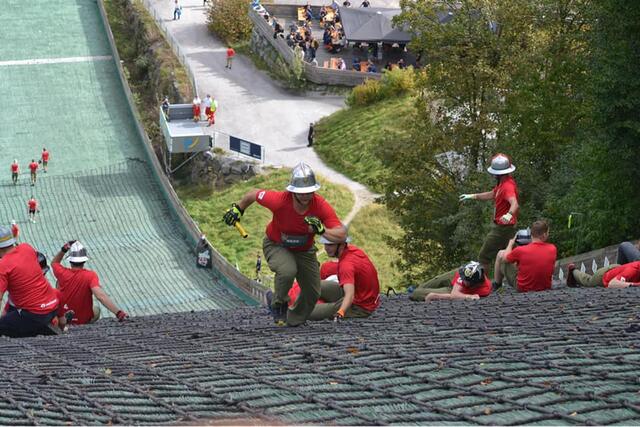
x: 34, y: 307
x: 523, y: 258
x: 301, y: 38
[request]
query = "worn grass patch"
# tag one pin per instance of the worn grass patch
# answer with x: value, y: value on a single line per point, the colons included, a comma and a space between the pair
x: 348, y: 140
x: 207, y: 207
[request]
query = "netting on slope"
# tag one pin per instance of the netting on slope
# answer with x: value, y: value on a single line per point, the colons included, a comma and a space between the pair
x: 546, y: 358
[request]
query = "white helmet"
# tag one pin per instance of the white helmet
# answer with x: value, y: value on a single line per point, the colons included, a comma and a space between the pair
x: 500, y: 165
x: 78, y: 253
x: 326, y: 241
x: 303, y: 180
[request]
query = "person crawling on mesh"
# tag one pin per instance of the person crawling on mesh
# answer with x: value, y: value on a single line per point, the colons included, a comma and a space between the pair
x: 78, y: 286
x: 467, y: 282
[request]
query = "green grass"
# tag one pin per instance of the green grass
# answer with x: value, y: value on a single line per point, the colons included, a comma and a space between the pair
x: 368, y: 230
x: 207, y: 207
x: 348, y: 139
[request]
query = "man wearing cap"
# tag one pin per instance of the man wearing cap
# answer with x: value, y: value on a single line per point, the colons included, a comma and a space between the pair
x: 79, y: 285
x: 33, y: 303
x: 505, y: 196
x: 466, y: 282
x: 298, y: 215
x: 357, y: 291
x: 535, y: 261
x: 15, y: 171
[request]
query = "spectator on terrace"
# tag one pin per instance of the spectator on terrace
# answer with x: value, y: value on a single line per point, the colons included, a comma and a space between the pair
x: 308, y: 12
x: 356, y: 63
x: 401, y: 64
x: 388, y: 66
x: 277, y: 29
x: 365, y: 3
x: 371, y: 67
x: 341, y: 64
x: 323, y: 12
x: 326, y: 37
x: 346, y: 3
x: 313, y: 48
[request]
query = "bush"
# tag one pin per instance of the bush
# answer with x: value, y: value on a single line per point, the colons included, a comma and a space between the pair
x: 229, y: 20
x: 394, y: 83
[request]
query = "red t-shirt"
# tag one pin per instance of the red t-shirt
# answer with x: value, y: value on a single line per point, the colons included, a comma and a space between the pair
x: 33, y: 204
x: 45, y: 156
x: 75, y: 285
x: 14, y: 167
x: 33, y: 166
x: 231, y: 53
x: 501, y: 192
x: 15, y: 230
x: 535, y: 265
x: 328, y: 268
x: 356, y: 268
x: 287, y: 227
x: 629, y: 272
x: 21, y: 275
x: 484, y: 290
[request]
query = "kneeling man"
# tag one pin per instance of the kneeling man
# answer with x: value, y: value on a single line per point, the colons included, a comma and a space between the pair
x: 357, y: 292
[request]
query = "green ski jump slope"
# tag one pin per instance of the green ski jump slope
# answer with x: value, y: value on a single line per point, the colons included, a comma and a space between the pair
x: 59, y: 89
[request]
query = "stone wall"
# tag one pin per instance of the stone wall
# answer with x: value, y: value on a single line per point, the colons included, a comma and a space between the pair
x: 219, y: 171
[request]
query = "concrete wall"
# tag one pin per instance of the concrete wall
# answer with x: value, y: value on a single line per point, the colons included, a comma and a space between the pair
x: 274, y: 50
x: 249, y: 290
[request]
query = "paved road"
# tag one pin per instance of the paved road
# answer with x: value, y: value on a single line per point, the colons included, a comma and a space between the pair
x: 251, y: 105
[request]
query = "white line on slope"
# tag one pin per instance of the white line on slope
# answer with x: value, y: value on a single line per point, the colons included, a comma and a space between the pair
x: 56, y: 60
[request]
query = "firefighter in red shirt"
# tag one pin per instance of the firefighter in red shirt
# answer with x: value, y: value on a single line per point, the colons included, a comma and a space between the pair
x: 467, y: 282
x: 298, y: 215
x: 357, y: 292
x: 78, y: 286
x: 32, y: 208
x: 535, y: 261
x: 33, y: 303
x: 15, y: 171
x: 613, y: 276
x: 33, y: 168
x: 505, y: 218
x: 44, y: 159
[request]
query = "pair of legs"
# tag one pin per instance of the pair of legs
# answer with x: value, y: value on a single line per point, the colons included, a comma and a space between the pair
x: 505, y: 270
x: 32, y: 215
x: 497, y: 239
x: 333, y: 294
x: 22, y: 323
x: 592, y: 281
x: 14, y: 177
x: 289, y: 265
x: 440, y: 285
x: 33, y: 178
x: 627, y: 252
x: 229, y: 62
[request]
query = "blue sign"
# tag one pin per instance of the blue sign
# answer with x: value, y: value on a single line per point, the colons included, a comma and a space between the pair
x: 245, y: 147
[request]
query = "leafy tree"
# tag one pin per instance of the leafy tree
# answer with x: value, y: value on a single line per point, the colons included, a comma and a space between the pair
x: 229, y: 20
x: 606, y: 188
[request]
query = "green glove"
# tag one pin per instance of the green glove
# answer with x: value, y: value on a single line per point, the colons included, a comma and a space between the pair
x: 315, y: 223
x: 233, y: 215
